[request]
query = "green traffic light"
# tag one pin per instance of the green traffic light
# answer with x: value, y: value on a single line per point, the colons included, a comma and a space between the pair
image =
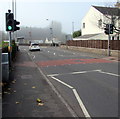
x: 9, y: 27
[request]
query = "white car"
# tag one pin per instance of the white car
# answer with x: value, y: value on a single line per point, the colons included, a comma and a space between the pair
x: 34, y: 46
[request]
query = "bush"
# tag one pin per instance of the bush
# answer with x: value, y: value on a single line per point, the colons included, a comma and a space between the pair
x: 5, y: 48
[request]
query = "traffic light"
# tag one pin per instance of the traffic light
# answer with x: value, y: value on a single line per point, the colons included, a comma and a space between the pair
x: 106, y: 29
x: 15, y: 25
x: 9, y: 22
x: 111, y: 28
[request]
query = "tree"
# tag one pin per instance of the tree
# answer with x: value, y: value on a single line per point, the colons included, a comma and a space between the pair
x: 117, y: 4
x: 77, y: 33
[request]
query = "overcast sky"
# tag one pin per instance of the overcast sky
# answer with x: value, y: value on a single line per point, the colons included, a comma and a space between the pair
x: 33, y: 13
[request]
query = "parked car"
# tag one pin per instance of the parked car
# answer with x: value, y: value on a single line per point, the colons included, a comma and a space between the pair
x: 34, y: 46
x: 5, y: 67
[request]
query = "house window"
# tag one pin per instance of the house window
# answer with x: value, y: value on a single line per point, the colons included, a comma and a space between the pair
x: 83, y: 25
x: 113, y: 20
x: 118, y: 38
x: 100, y: 23
x: 112, y: 37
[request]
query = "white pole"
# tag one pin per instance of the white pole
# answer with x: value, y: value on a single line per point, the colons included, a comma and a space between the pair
x: 13, y: 6
x: 72, y: 28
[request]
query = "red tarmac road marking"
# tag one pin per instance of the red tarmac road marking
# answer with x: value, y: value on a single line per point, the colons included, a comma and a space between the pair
x: 71, y: 61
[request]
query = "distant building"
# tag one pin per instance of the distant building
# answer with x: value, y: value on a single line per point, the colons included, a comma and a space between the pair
x: 94, y: 22
x: 53, y: 42
x: 21, y: 40
x: 47, y: 41
x: 36, y: 41
x: 56, y: 42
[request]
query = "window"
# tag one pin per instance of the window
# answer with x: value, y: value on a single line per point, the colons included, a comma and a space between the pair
x: 118, y: 38
x: 83, y: 25
x: 100, y: 23
x: 112, y: 37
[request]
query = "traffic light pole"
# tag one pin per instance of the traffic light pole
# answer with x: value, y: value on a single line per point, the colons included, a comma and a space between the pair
x: 109, y: 41
x: 9, y: 48
x: 109, y: 44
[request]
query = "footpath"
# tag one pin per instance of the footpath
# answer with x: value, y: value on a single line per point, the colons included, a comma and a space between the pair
x: 28, y: 94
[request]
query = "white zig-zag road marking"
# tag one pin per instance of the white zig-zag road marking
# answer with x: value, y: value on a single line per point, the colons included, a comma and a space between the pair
x: 74, y: 73
x: 62, y: 82
x: 108, y: 73
x: 82, y: 106
x: 81, y: 103
x: 75, y: 91
x: 81, y: 72
x: 54, y: 89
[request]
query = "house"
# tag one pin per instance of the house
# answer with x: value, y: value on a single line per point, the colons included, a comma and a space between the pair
x: 93, y: 23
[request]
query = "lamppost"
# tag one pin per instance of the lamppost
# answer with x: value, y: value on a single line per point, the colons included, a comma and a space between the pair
x: 51, y: 31
x: 72, y: 28
x: 29, y: 34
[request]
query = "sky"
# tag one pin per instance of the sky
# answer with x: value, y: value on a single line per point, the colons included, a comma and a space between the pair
x: 33, y: 13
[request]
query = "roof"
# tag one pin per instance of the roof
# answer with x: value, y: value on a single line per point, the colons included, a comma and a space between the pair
x: 88, y: 36
x: 108, y: 10
x: 98, y: 36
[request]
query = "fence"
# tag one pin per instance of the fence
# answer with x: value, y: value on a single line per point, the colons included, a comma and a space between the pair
x: 99, y: 44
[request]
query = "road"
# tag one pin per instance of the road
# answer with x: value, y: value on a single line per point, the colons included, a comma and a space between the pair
x: 87, y: 82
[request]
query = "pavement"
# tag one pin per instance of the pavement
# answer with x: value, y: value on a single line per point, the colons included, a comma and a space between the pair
x: 29, y: 94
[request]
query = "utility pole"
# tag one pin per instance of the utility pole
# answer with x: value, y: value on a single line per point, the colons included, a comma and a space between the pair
x: 109, y: 37
x: 51, y: 30
x: 109, y: 30
x: 72, y: 28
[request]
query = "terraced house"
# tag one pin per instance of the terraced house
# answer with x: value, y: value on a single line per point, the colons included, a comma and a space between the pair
x: 93, y: 23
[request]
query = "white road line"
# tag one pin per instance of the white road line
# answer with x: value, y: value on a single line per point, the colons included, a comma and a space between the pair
x: 53, y: 75
x: 28, y: 53
x: 62, y: 82
x: 84, y: 72
x: 77, y: 97
x: 33, y: 56
x: 54, y: 89
x: 100, y: 71
x: 81, y: 104
x: 74, y: 72
x: 108, y: 73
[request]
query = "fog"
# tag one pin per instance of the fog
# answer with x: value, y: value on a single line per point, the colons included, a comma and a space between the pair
x: 34, y: 33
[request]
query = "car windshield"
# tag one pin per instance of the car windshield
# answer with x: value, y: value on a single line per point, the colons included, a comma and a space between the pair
x: 35, y: 44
